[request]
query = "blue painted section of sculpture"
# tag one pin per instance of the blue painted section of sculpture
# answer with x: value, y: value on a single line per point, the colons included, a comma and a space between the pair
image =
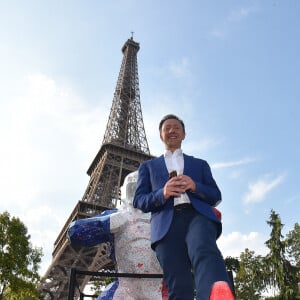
x: 129, y: 231
x: 91, y: 231
x: 109, y: 291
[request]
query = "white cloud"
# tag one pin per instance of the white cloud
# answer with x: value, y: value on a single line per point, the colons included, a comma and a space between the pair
x: 293, y: 200
x: 258, y: 190
x: 228, y: 164
x: 48, y: 139
x: 38, y: 124
x: 236, y: 242
x: 237, y: 15
x: 240, y: 14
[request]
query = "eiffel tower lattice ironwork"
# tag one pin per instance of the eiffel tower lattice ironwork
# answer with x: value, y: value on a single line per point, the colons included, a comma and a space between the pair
x: 123, y: 148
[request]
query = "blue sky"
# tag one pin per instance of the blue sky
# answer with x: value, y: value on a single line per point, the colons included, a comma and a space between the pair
x: 229, y: 69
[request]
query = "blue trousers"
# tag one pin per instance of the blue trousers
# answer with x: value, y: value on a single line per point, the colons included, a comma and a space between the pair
x: 189, y: 256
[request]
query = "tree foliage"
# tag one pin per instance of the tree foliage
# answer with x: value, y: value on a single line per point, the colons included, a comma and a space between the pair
x: 248, y: 281
x: 293, y: 245
x: 19, y: 261
x: 232, y: 264
x: 278, y: 271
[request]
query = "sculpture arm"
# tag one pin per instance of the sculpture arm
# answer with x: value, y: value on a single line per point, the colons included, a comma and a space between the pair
x: 91, y: 231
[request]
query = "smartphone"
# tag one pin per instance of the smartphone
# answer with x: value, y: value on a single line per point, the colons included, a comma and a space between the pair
x: 172, y: 174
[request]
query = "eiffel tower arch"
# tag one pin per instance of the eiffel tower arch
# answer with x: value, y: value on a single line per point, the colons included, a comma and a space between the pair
x: 123, y: 148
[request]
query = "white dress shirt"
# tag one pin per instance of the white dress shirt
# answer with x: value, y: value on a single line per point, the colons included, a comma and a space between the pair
x: 175, y: 162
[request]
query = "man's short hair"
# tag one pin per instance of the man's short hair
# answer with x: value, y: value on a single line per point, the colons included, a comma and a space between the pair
x: 168, y: 117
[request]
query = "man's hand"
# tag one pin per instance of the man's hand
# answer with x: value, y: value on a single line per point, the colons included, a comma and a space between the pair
x: 178, y: 185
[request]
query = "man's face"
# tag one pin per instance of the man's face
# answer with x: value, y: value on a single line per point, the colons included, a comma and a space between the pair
x: 172, y: 134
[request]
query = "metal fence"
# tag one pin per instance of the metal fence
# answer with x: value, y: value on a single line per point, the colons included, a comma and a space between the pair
x: 73, y: 282
x: 74, y: 272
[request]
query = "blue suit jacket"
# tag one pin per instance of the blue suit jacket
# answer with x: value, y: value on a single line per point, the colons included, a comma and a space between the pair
x: 153, y: 175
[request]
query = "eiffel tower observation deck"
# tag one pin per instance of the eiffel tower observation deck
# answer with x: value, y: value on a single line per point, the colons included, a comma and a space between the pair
x: 123, y: 148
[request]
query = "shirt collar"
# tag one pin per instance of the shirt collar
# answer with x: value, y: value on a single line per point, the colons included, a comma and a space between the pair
x: 169, y: 153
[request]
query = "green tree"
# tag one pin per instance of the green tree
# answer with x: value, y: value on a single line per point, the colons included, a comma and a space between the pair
x: 292, y: 242
x: 232, y: 264
x: 19, y: 261
x: 248, y: 280
x: 293, y: 245
x: 279, y: 272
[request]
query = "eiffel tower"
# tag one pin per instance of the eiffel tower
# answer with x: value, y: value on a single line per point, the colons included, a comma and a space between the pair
x: 123, y: 148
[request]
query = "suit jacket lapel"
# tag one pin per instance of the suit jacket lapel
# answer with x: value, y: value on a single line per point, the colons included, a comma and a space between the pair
x: 160, y: 166
x: 187, y: 163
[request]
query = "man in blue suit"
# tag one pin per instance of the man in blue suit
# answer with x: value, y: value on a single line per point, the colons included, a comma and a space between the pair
x: 180, y: 193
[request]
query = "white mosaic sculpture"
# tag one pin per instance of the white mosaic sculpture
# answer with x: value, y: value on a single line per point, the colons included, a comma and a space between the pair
x: 131, y: 234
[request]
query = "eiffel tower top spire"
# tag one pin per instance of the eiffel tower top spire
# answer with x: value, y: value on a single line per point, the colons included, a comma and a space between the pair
x: 125, y: 127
